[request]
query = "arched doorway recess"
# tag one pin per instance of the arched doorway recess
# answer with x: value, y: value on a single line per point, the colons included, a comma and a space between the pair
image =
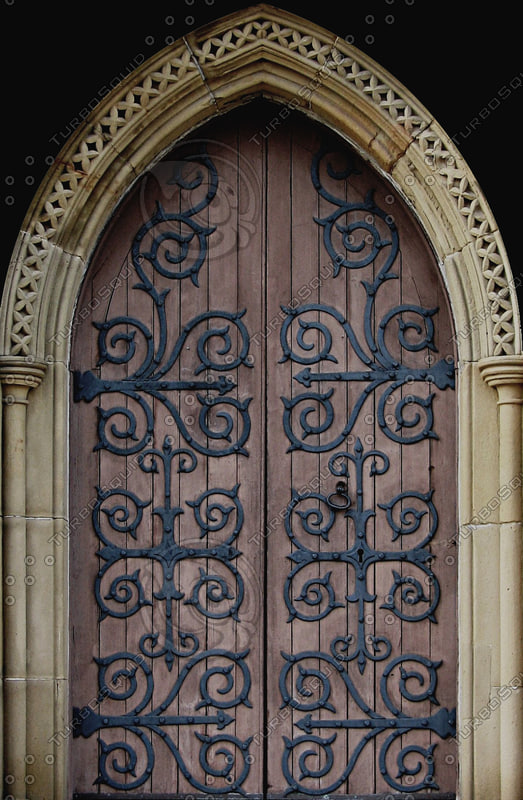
x: 261, y: 52
x: 272, y: 340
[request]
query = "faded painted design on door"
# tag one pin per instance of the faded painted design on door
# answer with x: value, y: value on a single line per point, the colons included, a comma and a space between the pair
x: 263, y: 473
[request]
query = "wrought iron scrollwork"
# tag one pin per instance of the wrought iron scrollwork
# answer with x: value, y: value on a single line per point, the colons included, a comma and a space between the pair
x: 165, y: 243
x: 316, y: 411
x: 371, y: 723
x: 213, y: 595
x: 158, y: 720
x: 355, y: 233
x: 368, y: 232
x: 165, y: 239
x: 215, y: 511
x: 136, y: 565
x: 317, y: 517
x: 149, y: 382
x: 313, y: 517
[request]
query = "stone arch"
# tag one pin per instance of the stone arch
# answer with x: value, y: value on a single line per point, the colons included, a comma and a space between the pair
x: 269, y: 53
x: 258, y: 52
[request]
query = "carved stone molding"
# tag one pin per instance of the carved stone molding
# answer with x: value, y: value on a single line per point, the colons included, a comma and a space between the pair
x: 506, y: 375
x: 268, y: 53
x: 208, y: 55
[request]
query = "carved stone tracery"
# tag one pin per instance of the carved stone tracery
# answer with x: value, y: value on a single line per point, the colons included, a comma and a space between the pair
x: 487, y: 768
x: 177, y: 66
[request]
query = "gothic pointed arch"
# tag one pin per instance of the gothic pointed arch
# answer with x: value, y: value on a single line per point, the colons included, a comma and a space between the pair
x: 270, y: 53
x: 259, y: 52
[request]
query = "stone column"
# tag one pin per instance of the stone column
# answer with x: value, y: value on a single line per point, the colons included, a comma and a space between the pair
x: 17, y: 377
x: 506, y: 374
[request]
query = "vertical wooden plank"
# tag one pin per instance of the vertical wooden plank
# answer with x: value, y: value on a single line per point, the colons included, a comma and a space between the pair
x: 332, y: 294
x: 444, y: 547
x: 363, y: 437
x: 223, y: 294
x: 162, y: 189
x: 415, y: 476
x: 112, y: 631
x: 196, y: 301
x: 82, y: 545
x: 279, y: 290
x: 108, y: 298
x: 388, y: 485
x: 191, y: 625
x: 143, y: 486
x: 305, y: 633
x: 251, y: 632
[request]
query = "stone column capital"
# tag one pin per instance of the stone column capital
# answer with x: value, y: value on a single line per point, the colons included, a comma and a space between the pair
x: 19, y: 375
x: 502, y: 370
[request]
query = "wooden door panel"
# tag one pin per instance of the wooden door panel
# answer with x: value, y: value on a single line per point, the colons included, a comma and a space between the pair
x: 177, y: 582
x: 263, y: 463
x: 368, y: 421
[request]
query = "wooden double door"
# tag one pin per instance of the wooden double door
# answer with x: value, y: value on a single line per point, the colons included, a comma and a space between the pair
x: 262, y: 532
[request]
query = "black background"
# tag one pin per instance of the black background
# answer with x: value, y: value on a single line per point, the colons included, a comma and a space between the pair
x: 455, y: 57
